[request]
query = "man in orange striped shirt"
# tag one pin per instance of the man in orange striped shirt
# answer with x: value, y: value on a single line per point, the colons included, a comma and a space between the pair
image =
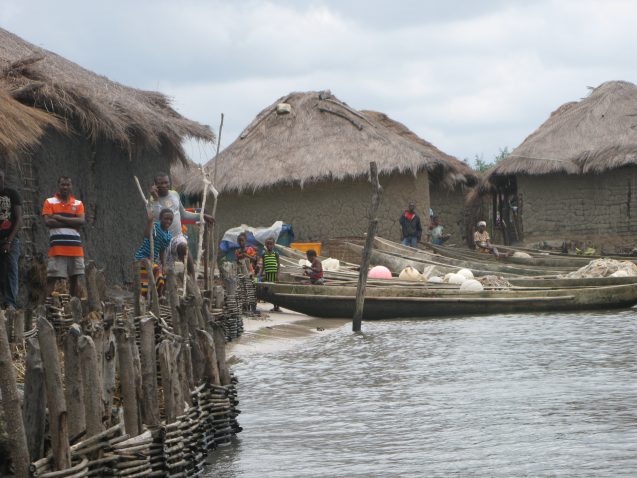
x: 64, y: 216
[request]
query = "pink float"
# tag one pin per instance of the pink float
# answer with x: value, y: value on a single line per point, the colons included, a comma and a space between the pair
x: 379, y: 272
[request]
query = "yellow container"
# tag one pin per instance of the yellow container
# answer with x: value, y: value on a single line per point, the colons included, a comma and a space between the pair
x: 306, y: 246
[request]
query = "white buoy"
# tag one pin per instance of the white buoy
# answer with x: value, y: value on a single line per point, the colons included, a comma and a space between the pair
x: 466, y: 273
x: 435, y: 280
x: 410, y: 274
x: 471, y: 285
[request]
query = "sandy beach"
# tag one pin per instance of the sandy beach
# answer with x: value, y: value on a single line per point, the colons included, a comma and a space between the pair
x: 277, y: 331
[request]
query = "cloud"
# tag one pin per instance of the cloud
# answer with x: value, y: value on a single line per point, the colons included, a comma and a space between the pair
x: 471, y: 77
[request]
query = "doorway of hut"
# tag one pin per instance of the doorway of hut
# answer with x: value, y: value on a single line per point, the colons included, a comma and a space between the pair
x: 506, y: 209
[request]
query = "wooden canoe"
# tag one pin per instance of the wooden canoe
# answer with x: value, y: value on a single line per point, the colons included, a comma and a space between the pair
x: 420, y: 302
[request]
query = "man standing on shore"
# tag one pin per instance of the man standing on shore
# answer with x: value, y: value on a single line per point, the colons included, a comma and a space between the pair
x: 10, y: 221
x: 410, y: 227
x: 64, y: 216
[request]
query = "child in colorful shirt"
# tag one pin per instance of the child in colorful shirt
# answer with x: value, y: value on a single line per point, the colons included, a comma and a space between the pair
x: 161, y: 242
x: 269, y: 269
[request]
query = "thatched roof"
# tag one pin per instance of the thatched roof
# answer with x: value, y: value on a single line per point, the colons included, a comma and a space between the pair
x: 320, y: 138
x: 92, y: 104
x: 21, y: 126
x: 457, y: 172
x: 593, y: 135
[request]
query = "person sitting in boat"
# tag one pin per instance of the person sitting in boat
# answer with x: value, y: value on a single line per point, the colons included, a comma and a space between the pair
x: 315, y: 270
x: 436, y: 233
x: 482, y: 240
x: 410, y: 227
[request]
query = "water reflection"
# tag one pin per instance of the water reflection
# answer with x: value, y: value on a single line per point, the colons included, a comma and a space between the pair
x: 543, y: 395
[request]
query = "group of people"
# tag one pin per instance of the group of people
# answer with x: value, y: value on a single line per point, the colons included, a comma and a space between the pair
x: 411, y: 231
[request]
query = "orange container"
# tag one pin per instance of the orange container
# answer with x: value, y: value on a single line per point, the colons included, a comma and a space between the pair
x: 306, y: 246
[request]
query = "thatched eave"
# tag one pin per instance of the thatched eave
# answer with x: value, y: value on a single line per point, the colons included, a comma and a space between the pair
x: 96, y: 107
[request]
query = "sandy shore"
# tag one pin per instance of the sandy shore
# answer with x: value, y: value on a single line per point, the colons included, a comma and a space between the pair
x: 275, y: 331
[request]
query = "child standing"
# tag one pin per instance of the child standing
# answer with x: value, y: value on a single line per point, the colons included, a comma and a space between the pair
x: 246, y: 254
x: 270, y: 265
x: 315, y: 270
x: 161, y: 242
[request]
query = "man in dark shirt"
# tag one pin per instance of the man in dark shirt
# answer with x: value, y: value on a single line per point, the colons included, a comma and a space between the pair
x: 10, y: 221
x: 410, y: 227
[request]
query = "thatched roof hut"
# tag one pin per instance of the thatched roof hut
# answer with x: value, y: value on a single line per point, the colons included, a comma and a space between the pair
x: 321, y: 137
x: 575, y: 166
x: 92, y: 104
x: 308, y: 153
x: 61, y: 119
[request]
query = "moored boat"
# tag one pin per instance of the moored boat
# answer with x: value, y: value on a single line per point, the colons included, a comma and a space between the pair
x: 422, y: 302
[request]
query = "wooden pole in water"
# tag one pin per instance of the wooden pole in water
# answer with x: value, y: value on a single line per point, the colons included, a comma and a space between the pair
x: 150, y: 407
x: 11, y: 405
x: 367, y: 251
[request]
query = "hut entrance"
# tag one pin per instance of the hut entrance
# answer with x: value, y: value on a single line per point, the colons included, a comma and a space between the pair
x: 507, y: 211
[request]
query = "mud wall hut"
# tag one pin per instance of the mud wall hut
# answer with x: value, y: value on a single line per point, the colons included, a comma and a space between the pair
x: 71, y: 121
x: 305, y: 160
x: 574, y: 179
x: 447, y: 186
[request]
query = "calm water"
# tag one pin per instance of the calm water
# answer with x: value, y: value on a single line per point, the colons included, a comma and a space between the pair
x: 503, y: 396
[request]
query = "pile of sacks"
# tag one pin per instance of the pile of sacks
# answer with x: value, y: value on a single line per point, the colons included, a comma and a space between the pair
x: 604, y: 268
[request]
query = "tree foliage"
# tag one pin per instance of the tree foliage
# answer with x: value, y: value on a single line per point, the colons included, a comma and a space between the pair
x: 481, y: 165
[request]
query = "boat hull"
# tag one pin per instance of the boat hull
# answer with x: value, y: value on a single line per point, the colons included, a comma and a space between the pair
x: 389, y: 303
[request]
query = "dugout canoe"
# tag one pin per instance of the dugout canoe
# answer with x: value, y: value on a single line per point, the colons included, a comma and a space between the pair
x: 479, y: 263
x: 419, y: 302
x: 396, y: 262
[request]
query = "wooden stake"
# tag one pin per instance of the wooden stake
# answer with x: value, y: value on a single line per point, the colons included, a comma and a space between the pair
x: 150, y: 406
x: 211, y: 368
x: 34, y: 400
x: 94, y: 299
x: 93, y: 404
x: 153, y: 296
x: 213, y: 230
x: 58, y: 417
x: 367, y: 251
x: 110, y: 362
x: 73, y: 381
x: 137, y: 290
x: 173, y: 299
x: 168, y: 375
x: 127, y: 381
x: 16, y: 435
x: 220, y: 351
x: 200, y: 247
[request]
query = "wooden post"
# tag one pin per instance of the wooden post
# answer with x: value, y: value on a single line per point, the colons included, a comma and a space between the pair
x: 211, y: 368
x: 110, y: 361
x: 34, y: 409
x: 367, y: 251
x: 58, y: 424
x: 73, y: 381
x: 188, y: 312
x: 173, y: 300
x: 11, y: 405
x: 127, y: 381
x: 150, y: 406
x: 220, y: 351
x: 94, y: 299
x: 153, y: 296
x: 206, y: 258
x: 93, y: 404
x: 185, y: 372
x: 137, y: 290
x: 168, y: 375
x: 137, y: 371
x: 18, y: 327
x: 215, y: 196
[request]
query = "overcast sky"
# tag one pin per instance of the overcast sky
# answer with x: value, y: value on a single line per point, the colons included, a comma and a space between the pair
x: 470, y: 76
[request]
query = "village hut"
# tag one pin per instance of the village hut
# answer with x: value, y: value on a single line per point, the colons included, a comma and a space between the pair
x: 574, y: 179
x: 305, y: 160
x: 59, y: 119
x: 447, y: 186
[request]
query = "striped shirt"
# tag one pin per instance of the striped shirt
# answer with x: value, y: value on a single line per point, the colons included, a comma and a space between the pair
x: 161, y: 242
x: 270, y: 261
x: 64, y: 241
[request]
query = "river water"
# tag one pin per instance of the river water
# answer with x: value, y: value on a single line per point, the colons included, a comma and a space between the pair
x: 493, y: 396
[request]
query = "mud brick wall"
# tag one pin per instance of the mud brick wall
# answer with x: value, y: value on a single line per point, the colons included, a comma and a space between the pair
x: 329, y: 209
x: 600, y: 209
x: 449, y: 205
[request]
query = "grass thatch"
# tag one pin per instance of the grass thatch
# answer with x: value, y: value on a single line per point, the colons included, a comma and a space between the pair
x: 321, y: 138
x: 21, y: 126
x: 94, y: 105
x: 456, y: 172
x: 593, y: 135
